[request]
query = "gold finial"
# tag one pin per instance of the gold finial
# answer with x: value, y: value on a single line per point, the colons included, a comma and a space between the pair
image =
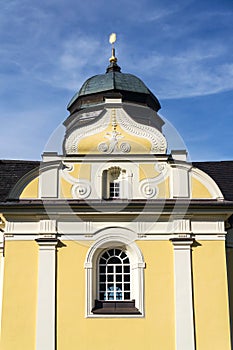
x: 112, y: 40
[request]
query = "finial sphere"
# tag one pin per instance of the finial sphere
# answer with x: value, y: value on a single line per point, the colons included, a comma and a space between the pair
x: 112, y: 38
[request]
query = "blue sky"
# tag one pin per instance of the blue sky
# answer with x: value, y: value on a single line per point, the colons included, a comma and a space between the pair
x: 183, y: 51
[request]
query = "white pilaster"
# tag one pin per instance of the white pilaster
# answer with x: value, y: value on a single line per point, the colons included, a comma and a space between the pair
x: 184, y: 317
x: 180, y: 182
x: 46, y: 308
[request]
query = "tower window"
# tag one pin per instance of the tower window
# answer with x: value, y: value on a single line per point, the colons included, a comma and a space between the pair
x: 112, y: 183
x: 114, y: 189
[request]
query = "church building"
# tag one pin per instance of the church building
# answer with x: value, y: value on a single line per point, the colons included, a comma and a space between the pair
x: 117, y: 243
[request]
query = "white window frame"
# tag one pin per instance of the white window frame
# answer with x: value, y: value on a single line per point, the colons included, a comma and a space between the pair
x: 107, y: 239
x: 122, y: 265
x: 127, y: 182
x: 115, y: 187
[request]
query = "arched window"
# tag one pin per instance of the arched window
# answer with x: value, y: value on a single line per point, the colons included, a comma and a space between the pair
x: 114, y: 290
x: 114, y: 276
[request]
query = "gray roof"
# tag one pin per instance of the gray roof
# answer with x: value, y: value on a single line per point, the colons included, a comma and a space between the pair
x: 11, y: 171
x: 222, y: 173
x: 111, y: 81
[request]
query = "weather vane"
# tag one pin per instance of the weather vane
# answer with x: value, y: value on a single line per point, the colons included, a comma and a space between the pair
x: 112, y: 40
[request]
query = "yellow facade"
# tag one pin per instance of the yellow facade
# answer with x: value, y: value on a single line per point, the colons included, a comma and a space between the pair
x: 127, y: 333
x: 147, y: 171
x: 89, y: 144
x: 199, y: 190
x: 155, y: 330
x: 31, y: 190
x: 211, y: 296
x: 19, y: 295
x: 162, y: 218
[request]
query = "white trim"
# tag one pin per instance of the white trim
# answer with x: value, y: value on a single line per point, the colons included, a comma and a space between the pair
x: 129, y: 182
x: 207, y: 181
x: 156, y: 138
x: 114, y: 157
x: 20, y: 185
x: 47, y: 226
x: 46, y: 314
x: 180, y: 181
x: 152, y: 236
x: 184, y: 320
x: 72, y: 141
x: 110, y: 238
x: 208, y: 237
x: 148, y: 187
x: 48, y: 180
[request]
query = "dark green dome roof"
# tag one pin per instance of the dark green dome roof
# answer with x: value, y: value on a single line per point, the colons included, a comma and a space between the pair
x: 129, y: 86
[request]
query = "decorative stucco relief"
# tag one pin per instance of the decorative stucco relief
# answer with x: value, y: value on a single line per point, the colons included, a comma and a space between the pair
x: 158, y: 141
x: 71, y: 143
x: 115, y: 118
x: 81, y: 188
x: 149, y: 186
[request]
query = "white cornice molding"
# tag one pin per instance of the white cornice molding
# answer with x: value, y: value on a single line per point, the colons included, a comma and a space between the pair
x: 47, y: 226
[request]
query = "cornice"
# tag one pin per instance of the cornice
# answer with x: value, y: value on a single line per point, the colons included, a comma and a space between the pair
x: 118, y: 207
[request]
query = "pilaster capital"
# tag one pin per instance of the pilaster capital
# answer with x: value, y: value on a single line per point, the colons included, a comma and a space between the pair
x: 47, y: 243
x: 182, y: 242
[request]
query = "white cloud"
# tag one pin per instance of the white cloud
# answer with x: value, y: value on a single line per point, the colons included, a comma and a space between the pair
x: 75, y: 61
x: 194, y: 72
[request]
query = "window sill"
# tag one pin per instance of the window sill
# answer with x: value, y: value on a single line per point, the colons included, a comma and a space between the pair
x: 115, y: 307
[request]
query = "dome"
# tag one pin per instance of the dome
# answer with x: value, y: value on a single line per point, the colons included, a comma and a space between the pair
x: 129, y: 87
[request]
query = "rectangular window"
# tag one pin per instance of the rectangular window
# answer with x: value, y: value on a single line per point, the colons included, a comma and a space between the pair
x: 114, y: 189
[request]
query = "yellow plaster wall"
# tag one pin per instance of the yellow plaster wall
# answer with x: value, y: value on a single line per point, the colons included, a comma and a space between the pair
x: 19, y: 296
x: 80, y: 171
x: 164, y: 189
x: 199, y: 190
x: 90, y: 144
x: 31, y: 190
x: 65, y: 188
x: 155, y: 331
x: 211, y: 296
x: 147, y: 171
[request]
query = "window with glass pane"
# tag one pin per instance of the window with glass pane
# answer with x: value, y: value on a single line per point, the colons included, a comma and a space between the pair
x: 114, y: 189
x: 114, y: 276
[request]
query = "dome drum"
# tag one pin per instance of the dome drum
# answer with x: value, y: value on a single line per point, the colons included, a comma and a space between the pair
x: 89, y: 100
